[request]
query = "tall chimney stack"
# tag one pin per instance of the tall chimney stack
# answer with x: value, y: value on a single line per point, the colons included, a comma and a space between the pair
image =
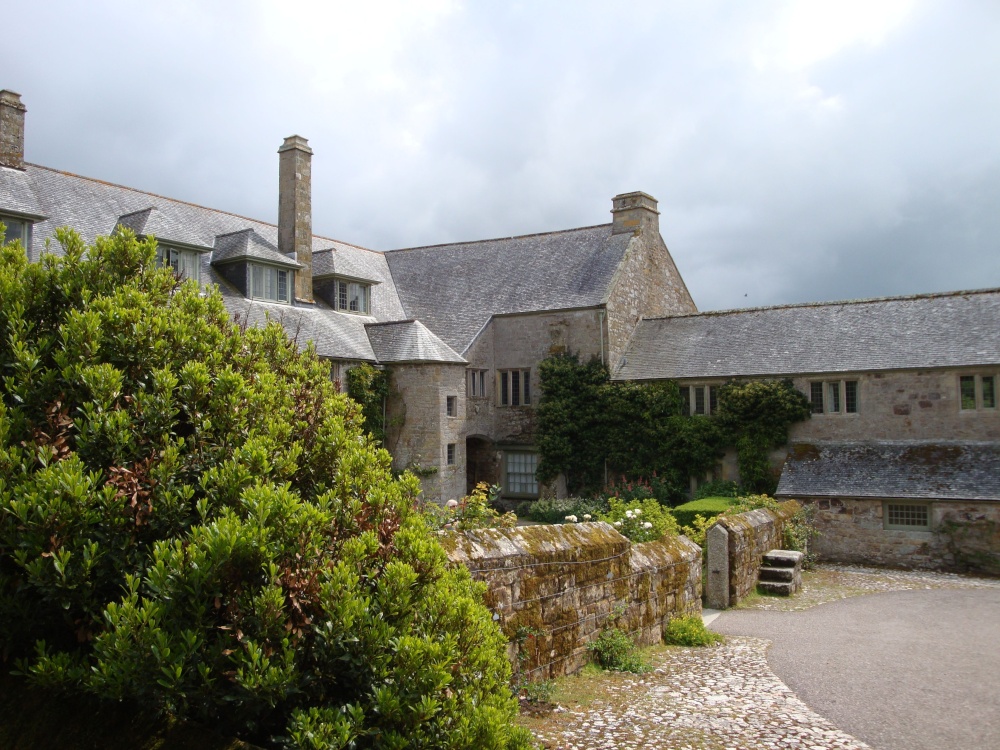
x: 295, y: 209
x: 634, y: 212
x: 11, y: 130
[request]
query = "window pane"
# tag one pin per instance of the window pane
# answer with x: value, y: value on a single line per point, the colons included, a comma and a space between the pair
x: 257, y: 281
x: 816, y: 397
x: 699, y: 399
x: 504, y: 400
x: 685, y: 400
x: 851, y: 396
x: 526, y: 377
x: 968, y: 388
x: 515, y: 388
x: 713, y: 399
x: 989, y: 392
x: 341, y: 295
x: 451, y: 454
x: 482, y: 382
x: 833, y: 389
x: 283, y: 286
x: 907, y: 516
x: 521, y: 473
x: 472, y: 384
x: 16, y: 230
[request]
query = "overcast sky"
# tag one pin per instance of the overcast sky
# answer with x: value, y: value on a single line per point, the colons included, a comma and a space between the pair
x: 800, y: 151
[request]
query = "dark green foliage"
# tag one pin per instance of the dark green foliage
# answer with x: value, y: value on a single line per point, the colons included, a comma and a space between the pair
x: 191, y: 519
x: 369, y: 386
x: 709, y: 507
x: 717, y: 488
x: 615, y: 650
x: 590, y: 429
x: 690, y: 631
x: 757, y: 414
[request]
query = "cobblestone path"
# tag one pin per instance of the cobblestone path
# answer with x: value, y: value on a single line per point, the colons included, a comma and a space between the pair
x: 719, y: 697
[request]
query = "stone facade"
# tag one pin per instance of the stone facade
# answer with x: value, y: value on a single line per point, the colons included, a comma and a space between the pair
x: 735, y: 547
x: 419, y: 429
x: 963, y: 536
x: 11, y: 130
x: 295, y: 235
x: 553, y: 588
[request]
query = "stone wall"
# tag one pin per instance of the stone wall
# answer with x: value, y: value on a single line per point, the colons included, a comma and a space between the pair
x: 735, y: 546
x: 419, y: 430
x: 964, y: 536
x: 552, y: 588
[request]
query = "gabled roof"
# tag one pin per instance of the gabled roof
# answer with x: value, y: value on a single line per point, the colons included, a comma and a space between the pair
x: 930, y: 330
x: 455, y: 289
x: 151, y: 222
x: 408, y: 341
x: 246, y: 244
x: 904, y: 470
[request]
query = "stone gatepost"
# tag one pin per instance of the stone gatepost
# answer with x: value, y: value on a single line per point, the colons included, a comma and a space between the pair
x: 717, y: 564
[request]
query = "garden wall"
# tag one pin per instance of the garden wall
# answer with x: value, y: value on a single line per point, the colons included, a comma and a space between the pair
x: 735, y: 546
x: 552, y: 588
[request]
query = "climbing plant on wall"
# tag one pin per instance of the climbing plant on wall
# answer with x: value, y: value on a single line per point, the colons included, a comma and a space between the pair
x: 592, y: 430
x: 369, y: 386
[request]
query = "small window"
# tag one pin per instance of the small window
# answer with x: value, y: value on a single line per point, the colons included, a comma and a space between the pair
x: 816, y: 397
x: 967, y: 385
x: 907, y: 516
x: 515, y: 387
x: 451, y: 454
x: 269, y: 283
x: 989, y: 392
x: 699, y: 399
x: 520, y: 473
x: 851, y: 396
x: 185, y: 263
x: 476, y: 387
x: 833, y: 393
x: 17, y: 230
x: 451, y: 406
x: 713, y: 399
x: 353, y: 296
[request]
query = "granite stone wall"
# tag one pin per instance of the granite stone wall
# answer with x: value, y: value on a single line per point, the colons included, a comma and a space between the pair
x: 964, y: 536
x: 735, y: 547
x: 553, y: 588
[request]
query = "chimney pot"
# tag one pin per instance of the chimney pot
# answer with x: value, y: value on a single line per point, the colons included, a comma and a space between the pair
x: 295, y: 209
x: 634, y: 212
x: 11, y: 130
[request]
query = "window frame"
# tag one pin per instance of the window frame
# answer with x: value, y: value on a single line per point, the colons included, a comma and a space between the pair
x: 531, y: 485
x: 514, y: 387
x: 475, y: 383
x: 24, y: 235
x: 978, y: 382
x: 904, y: 507
x: 699, y: 400
x: 266, y: 271
x: 451, y: 454
x: 352, y: 296
x: 171, y: 256
x: 835, y: 397
x: 451, y: 406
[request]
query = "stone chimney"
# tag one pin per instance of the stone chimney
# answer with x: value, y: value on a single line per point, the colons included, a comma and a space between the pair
x: 295, y: 209
x: 11, y: 130
x: 635, y: 213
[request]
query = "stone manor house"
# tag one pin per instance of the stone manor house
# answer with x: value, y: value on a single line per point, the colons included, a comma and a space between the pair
x: 901, y: 456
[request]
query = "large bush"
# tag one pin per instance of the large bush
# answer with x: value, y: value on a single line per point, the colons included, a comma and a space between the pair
x: 192, y: 519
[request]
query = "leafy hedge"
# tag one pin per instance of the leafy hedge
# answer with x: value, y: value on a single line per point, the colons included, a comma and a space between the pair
x: 192, y: 519
x: 709, y: 507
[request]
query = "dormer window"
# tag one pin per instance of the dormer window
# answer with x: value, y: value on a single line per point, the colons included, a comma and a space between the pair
x: 353, y: 296
x: 186, y: 263
x: 269, y: 283
x: 17, y: 229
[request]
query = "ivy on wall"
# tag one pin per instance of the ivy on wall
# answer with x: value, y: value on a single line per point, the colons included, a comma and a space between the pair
x: 369, y: 386
x: 591, y: 429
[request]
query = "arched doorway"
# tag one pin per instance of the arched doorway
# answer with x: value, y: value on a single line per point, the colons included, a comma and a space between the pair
x: 482, y: 462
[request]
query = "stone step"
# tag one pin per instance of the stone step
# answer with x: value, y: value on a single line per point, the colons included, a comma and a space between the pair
x: 783, y: 558
x: 777, y: 574
x: 778, y: 588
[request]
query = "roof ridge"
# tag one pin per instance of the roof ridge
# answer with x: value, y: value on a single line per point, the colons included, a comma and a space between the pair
x: 832, y: 303
x: 189, y: 203
x: 496, y: 239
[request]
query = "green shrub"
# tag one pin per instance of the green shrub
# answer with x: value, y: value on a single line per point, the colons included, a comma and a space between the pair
x: 708, y: 507
x: 192, y: 519
x: 615, y: 650
x: 690, y: 631
x: 474, y: 511
x: 640, y: 521
x: 659, y: 488
x: 552, y: 510
x: 697, y: 532
x: 717, y: 488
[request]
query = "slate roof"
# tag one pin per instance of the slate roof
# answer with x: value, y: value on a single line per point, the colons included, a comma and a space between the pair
x: 455, y: 289
x: 904, y: 470
x: 246, y: 244
x: 94, y: 207
x: 409, y: 341
x: 917, y: 332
